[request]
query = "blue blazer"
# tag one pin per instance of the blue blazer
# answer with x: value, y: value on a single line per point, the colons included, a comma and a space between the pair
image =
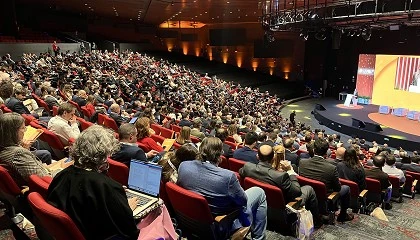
x: 246, y: 154
x: 128, y: 152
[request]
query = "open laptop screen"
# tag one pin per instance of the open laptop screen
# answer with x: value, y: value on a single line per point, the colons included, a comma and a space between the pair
x: 144, y: 177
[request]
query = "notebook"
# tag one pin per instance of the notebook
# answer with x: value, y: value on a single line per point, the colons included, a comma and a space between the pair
x: 144, y: 183
x: 31, y: 133
x: 167, y: 144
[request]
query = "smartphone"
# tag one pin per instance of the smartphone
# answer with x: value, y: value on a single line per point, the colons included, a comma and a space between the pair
x: 68, y: 160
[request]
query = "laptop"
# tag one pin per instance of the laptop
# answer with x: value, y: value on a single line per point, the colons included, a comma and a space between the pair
x: 144, y: 183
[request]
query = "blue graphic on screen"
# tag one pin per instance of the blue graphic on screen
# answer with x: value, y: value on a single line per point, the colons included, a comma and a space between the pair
x: 144, y: 177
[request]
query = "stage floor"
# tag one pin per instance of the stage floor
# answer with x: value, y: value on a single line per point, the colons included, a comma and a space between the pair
x: 393, y: 127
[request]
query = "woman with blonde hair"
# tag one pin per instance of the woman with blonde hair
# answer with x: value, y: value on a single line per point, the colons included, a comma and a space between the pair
x: 233, y: 132
x: 144, y: 133
x: 279, y: 155
x: 184, y: 136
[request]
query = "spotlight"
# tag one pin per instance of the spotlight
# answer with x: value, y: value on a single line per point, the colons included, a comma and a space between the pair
x: 288, y: 18
x: 313, y: 16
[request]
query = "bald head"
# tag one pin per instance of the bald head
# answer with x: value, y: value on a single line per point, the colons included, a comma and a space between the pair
x: 265, y: 153
x: 339, y: 153
x: 115, y: 108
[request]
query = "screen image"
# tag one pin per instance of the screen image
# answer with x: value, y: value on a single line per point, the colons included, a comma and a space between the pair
x: 390, y: 80
x: 144, y: 177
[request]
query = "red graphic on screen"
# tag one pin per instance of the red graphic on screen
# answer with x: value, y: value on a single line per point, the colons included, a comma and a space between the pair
x: 365, y: 75
x: 408, y: 72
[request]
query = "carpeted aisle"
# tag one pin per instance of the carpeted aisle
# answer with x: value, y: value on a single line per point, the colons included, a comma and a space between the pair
x: 404, y: 223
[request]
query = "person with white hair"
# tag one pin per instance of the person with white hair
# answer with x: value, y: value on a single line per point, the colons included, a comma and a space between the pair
x: 96, y: 203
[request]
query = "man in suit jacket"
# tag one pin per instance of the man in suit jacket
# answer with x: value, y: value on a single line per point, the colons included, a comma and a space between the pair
x: 222, y: 134
x: 413, y: 166
x: 15, y: 103
x: 376, y: 173
x: 289, y: 154
x: 286, y: 181
x: 115, y: 113
x: 80, y: 98
x: 184, y: 121
x: 339, y: 156
x: 129, y: 149
x: 319, y: 169
x: 247, y: 153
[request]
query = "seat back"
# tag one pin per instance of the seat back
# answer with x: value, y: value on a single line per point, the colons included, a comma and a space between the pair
x: 118, y: 171
x: 7, y: 184
x: 232, y: 145
x: 41, y: 103
x: 354, y: 188
x: 396, y: 186
x: 55, y: 221
x: 144, y: 147
x: 195, y: 139
x: 156, y: 128
x: 110, y: 123
x: 39, y: 184
x: 5, y: 109
x: 86, y: 112
x: 224, y: 163
x: 273, y: 194
x: 83, y: 123
x: 157, y: 138
x: 75, y: 105
x: 374, y: 190
x: 28, y: 118
x: 52, y: 139
x: 191, y: 209
x: 416, y: 176
x: 235, y: 164
x: 54, y: 110
x: 166, y: 133
x: 176, y: 128
x: 101, y: 118
x: 318, y: 186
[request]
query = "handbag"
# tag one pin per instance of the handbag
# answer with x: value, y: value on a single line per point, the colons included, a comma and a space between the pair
x: 304, y: 224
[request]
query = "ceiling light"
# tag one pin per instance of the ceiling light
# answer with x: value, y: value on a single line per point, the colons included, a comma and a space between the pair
x: 205, y: 12
x: 227, y: 2
x: 85, y: 4
x: 230, y: 12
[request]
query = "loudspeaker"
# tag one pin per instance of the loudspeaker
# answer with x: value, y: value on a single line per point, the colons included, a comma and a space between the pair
x: 319, y: 107
x: 357, y: 123
x: 373, y: 127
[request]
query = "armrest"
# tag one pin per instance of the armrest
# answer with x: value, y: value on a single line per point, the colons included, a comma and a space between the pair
x: 363, y: 193
x: 228, y: 217
x: 334, y: 196
x: 296, y: 204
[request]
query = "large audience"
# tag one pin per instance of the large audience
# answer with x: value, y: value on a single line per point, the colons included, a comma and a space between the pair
x: 217, y: 120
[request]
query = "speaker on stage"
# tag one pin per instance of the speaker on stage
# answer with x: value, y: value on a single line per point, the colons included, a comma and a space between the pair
x: 319, y: 107
x: 357, y: 123
x: 373, y: 127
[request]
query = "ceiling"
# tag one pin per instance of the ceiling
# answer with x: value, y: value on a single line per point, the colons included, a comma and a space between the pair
x: 158, y: 11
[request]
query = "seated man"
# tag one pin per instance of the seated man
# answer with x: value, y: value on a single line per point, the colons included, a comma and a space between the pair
x: 64, y: 124
x: 221, y: 188
x: 390, y: 168
x: 376, y: 173
x: 80, y: 98
x: 247, y: 153
x: 196, y: 130
x: 128, y: 148
x: 319, y: 169
x: 115, y: 113
x: 285, y: 180
x: 290, y: 155
x: 222, y: 134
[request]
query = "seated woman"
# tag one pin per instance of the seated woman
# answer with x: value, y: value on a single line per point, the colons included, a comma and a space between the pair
x: 171, y: 161
x: 184, y: 137
x: 351, y: 169
x: 90, y: 105
x: 97, y: 204
x: 233, y: 132
x: 279, y: 155
x: 14, y: 151
x: 144, y: 133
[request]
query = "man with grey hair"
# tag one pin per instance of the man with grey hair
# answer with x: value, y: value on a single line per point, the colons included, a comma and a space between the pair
x: 88, y: 195
x: 128, y: 148
x: 221, y: 188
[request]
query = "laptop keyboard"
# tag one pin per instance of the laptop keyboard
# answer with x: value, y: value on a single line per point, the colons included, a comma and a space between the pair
x: 142, y: 199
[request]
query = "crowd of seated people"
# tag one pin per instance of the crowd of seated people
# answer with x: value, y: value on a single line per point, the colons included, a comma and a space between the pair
x: 229, y: 120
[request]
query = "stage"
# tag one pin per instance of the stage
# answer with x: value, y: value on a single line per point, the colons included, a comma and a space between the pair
x: 397, y: 131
